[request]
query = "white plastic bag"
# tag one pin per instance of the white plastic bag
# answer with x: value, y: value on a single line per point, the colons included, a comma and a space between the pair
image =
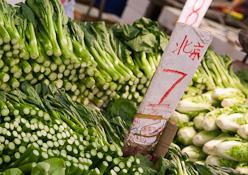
x: 69, y: 8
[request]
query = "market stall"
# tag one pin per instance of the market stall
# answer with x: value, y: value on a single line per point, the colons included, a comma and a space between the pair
x: 80, y: 97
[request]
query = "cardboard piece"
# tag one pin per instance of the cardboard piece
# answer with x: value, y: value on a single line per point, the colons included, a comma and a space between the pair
x: 181, y: 58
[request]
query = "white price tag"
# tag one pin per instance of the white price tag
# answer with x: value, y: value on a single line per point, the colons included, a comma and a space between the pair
x: 181, y: 58
x: 194, y: 11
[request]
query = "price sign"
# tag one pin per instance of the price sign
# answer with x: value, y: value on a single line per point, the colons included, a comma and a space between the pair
x: 175, y: 71
x: 181, y: 58
x: 194, y: 11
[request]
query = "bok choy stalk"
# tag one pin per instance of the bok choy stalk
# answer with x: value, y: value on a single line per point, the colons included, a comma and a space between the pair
x: 204, y: 136
x: 180, y: 119
x: 176, y: 163
x: 233, y: 150
x: 218, y: 161
x: 186, y: 134
x: 242, y: 168
x: 195, y: 153
x: 221, y: 72
x: 195, y: 105
x: 209, y: 147
x: 243, y: 131
x: 233, y: 101
x: 229, y: 96
x: 45, y: 13
x: 9, y: 31
x: 198, y: 121
x: 232, y: 122
x: 209, y: 122
x: 222, y: 93
x: 189, y: 107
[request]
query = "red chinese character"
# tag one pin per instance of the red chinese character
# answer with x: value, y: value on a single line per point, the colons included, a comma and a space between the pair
x: 183, y: 47
x: 196, y: 53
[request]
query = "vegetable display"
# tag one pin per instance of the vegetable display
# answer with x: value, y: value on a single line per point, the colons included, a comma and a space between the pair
x: 213, y: 115
x: 49, y: 130
x: 93, y: 62
x: 43, y: 122
x: 176, y: 161
x: 44, y: 132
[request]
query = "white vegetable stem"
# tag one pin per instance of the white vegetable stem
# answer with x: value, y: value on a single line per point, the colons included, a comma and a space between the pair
x: 231, y: 122
x: 204, y: 136
x: 243, y: 131
x: 195, y: 153
x: 185, y: 135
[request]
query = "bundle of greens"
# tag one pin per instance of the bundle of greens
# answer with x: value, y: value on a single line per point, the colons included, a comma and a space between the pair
x: 93, y: 62
x: 42, y: 122
x: 44, y: 132
x: 213, y: 115
x: 49, y: 166
x: 177, y: 163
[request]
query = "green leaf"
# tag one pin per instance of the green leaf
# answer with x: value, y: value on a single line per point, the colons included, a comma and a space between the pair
x: 123, y: 108
x: 145, y: 42
x: 243, y: 75
x: 127, y: 31
x: 12, y: 171
x: 41, y: 168
x: 53, y: 166
x: 57, y: 166
x: 27, y: 13
x: 203, y: 170
x: 143, y: 35
x: 147, y: 165
x: 32, y: 95
x: 162, y: 165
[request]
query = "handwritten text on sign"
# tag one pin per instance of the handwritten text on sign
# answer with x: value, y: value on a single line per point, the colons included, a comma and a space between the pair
x: 175, y: 71
x: 193, y: 12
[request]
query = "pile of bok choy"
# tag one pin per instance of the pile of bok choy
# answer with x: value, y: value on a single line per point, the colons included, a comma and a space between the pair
x: 213, y: 116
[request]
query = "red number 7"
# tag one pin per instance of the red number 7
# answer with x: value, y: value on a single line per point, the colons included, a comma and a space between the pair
x: 182, y: 76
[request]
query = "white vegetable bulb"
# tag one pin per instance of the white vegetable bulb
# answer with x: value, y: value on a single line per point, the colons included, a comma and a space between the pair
x: 204, y: 136
x: 218, y: 161
x: 212, y: 160
x: 195, y: 153
x: 201, y: 162
x: 209, y: 123
x: 187, y: 106
x: 209, y: 147
x: 185, y: 135
x: 243, y: 131
x: 198, y: 121
x: 223, y: 148
x: 209, y: 96
x: 179, y: 119
x: 222, y: 93
x: 242, y: 169
x: 227, y: 102
x: 230, y: 122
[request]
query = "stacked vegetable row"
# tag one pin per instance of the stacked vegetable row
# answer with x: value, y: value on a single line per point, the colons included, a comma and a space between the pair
x: 213, y: 115
x: 41, y: 123
x: 93, y: 62
x: 49, y: 166
x: 120, y: 114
